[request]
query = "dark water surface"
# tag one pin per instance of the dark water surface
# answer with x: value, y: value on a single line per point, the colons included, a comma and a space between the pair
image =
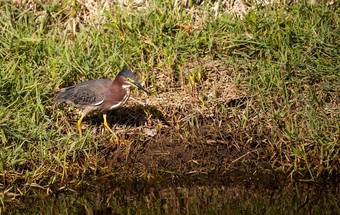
x: 191, y: 195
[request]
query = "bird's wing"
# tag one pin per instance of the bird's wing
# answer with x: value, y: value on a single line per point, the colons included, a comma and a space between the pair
x: 89, y: 93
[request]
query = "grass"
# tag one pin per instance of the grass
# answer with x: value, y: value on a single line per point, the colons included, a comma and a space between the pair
x: 258, y: 93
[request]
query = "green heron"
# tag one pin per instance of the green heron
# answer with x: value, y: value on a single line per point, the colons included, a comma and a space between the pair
x: 99, y: 95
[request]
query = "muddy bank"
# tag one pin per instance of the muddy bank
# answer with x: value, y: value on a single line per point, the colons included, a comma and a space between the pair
x: 182, y: 149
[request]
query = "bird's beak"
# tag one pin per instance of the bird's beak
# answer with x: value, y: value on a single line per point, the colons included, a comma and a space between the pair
x: 137, y: 84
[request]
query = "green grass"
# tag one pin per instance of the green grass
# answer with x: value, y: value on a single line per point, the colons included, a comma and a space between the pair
x: 284, y: 59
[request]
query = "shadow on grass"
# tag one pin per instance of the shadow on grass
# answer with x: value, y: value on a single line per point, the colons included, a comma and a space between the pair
x: 129, y: 116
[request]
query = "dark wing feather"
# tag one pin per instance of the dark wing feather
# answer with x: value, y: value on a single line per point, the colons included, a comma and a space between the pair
x: 89, y: 93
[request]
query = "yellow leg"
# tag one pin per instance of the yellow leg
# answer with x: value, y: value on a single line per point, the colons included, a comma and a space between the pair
x: 108, y: 128
x: 79, y: 125
x: 105, y: 123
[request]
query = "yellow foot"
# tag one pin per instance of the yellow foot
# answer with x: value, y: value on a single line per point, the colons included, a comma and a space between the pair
x: 114, y: 139
x: 127, y: 143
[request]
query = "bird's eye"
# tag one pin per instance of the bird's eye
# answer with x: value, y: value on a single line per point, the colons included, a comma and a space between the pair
x: 129, y: 79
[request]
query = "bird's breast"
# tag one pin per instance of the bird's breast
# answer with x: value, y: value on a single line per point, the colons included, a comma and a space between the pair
x: 114, y: 100
x: 123, y: 101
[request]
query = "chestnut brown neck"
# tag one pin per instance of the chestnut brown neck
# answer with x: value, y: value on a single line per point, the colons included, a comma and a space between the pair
x: 119, y: 81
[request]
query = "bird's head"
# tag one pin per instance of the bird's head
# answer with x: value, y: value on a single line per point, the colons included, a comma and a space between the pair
x: 131, y: 79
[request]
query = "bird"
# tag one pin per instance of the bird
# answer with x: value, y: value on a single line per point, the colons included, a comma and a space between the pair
x: 99, y: 95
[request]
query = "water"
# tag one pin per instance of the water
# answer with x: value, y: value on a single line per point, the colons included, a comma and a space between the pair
x: 192, y: 195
